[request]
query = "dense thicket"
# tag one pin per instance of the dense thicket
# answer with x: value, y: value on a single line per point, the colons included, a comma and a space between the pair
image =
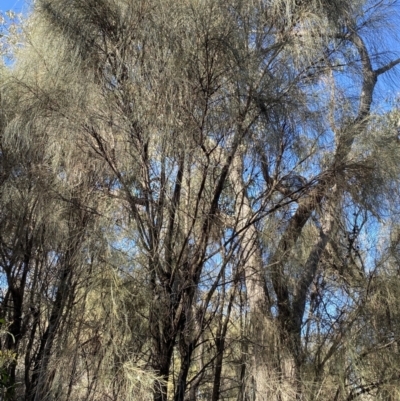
x: 199, y: 201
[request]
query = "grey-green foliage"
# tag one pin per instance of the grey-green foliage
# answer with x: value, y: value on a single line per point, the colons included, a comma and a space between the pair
x: 149, y: 150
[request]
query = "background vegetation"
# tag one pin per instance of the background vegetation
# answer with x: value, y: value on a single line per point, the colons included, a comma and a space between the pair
x: 199, y: 201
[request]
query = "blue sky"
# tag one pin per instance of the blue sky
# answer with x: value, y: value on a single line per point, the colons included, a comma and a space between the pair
x: 15, y: 5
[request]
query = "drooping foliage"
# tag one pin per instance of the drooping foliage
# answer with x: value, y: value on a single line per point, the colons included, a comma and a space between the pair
x: 199, y: 202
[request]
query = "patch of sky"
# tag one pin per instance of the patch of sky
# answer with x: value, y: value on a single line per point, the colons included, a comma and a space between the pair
x: 17, y: 6
x: 12, y: 13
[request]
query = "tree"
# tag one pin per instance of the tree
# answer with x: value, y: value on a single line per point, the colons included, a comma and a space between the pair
x: 198, y: 174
